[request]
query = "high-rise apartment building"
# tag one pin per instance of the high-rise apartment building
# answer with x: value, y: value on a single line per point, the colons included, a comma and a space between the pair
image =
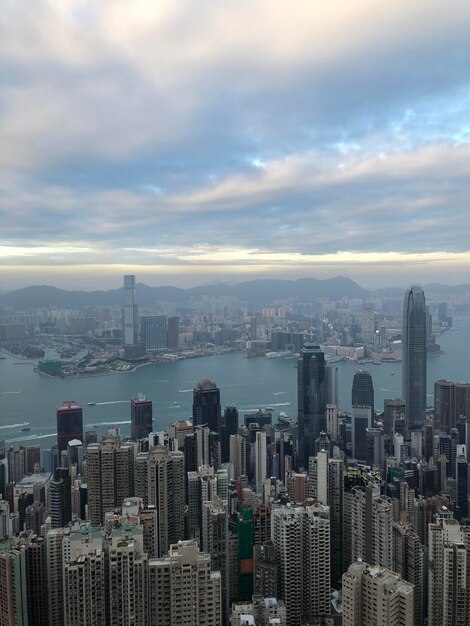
x: 206, y: 405
x: 325, y: 481
x: 409, y: 561
x: 414, y: 355
x: 311, y: 400
x: 448, y: 581
x: 130, y: 315
x: 183, y: 588
x: 141, y: 417
x: 110, y: 476
x: 376, y: 595
x: 166, y: 490
x: 69, y: 425
x: 301, y: 537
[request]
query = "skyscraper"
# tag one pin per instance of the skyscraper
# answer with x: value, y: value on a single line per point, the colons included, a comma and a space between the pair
x: 301, y: 537
x: 141, y: 417
x: 311, y: 393
x: 362, y: 393
x: 153, y: 332
x: 130, y: 314
x: 69, y: 425
x: 206, y: 405
x: 173, y: 338
x: 414, y: 354
x: 110, y: 476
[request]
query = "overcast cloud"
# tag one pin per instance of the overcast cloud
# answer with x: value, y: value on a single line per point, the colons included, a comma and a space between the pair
x: 189, y: 141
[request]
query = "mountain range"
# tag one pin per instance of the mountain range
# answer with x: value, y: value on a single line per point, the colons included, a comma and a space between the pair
x: 255, y: 292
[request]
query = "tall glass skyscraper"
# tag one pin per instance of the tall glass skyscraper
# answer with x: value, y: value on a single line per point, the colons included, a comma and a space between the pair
x: 311, y: 394
x: 414, y: 357
x: 362, y: 393
x: 130, y: 314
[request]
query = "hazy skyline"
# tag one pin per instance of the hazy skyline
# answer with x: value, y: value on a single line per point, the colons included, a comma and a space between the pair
x: 190, y: 142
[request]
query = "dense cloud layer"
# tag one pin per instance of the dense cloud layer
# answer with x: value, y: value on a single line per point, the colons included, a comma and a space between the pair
x: 233, y: 138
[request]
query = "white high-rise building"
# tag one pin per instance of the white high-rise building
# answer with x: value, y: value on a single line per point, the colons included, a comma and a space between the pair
x: 448, y: 581
x: 375, y: 595
x: 368, y: 324
x: 301, y: 537
x: 110, y: 476
x: 183, y: 589
x: 130, y: 313
x: 332, y: 421
x: 260, y: 460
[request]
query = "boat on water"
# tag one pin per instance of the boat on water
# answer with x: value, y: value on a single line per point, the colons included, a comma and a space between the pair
x: 25, y: 429
x: 92, y: 404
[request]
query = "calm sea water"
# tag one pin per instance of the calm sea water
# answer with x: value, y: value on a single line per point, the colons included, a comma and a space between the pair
x: 26, y: 397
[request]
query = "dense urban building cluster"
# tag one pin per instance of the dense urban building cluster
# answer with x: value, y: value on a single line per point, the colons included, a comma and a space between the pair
x: 236, y: 518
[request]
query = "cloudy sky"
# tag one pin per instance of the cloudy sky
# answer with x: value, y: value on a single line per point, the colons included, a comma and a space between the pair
x: 193, y: 141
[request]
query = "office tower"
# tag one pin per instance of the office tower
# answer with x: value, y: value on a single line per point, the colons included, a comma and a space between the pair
x: 414, y: 354
x: 260, y: 460
x: 368, y: 324
x: 229, y: 428
x: 154, y: 332
x: 110, y: 476
x: 325, y: 481
x: 206, y: 405
x: 33, y: 459
x: 311, y: 393
x: 75, y: 455
x: 448, y: 582
x: 451, y: 400
x: 463, y: 483
x: 331, y: 374
x: 173, y: 340
x: 141, y: 417
x: 50, y: 459
x: 394, y: 411
x: 376, y: 595
x: 126, y: 576
x: 332, y: 426
x: 409, y: 561
x: 130, y: 314
x: 361, y: 420
x: 262, y: 417
x: 375, y: 448
x: 60, y: 498
x: 183, y: 588
x: 362, y: 393
x: 35, y: 517
x: 238, y: 455
x: 69, y: 425
x: 166, y: 490
x: 301, y: 537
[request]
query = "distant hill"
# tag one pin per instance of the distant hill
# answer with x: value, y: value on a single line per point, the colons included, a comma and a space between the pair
x: 259, y: 292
